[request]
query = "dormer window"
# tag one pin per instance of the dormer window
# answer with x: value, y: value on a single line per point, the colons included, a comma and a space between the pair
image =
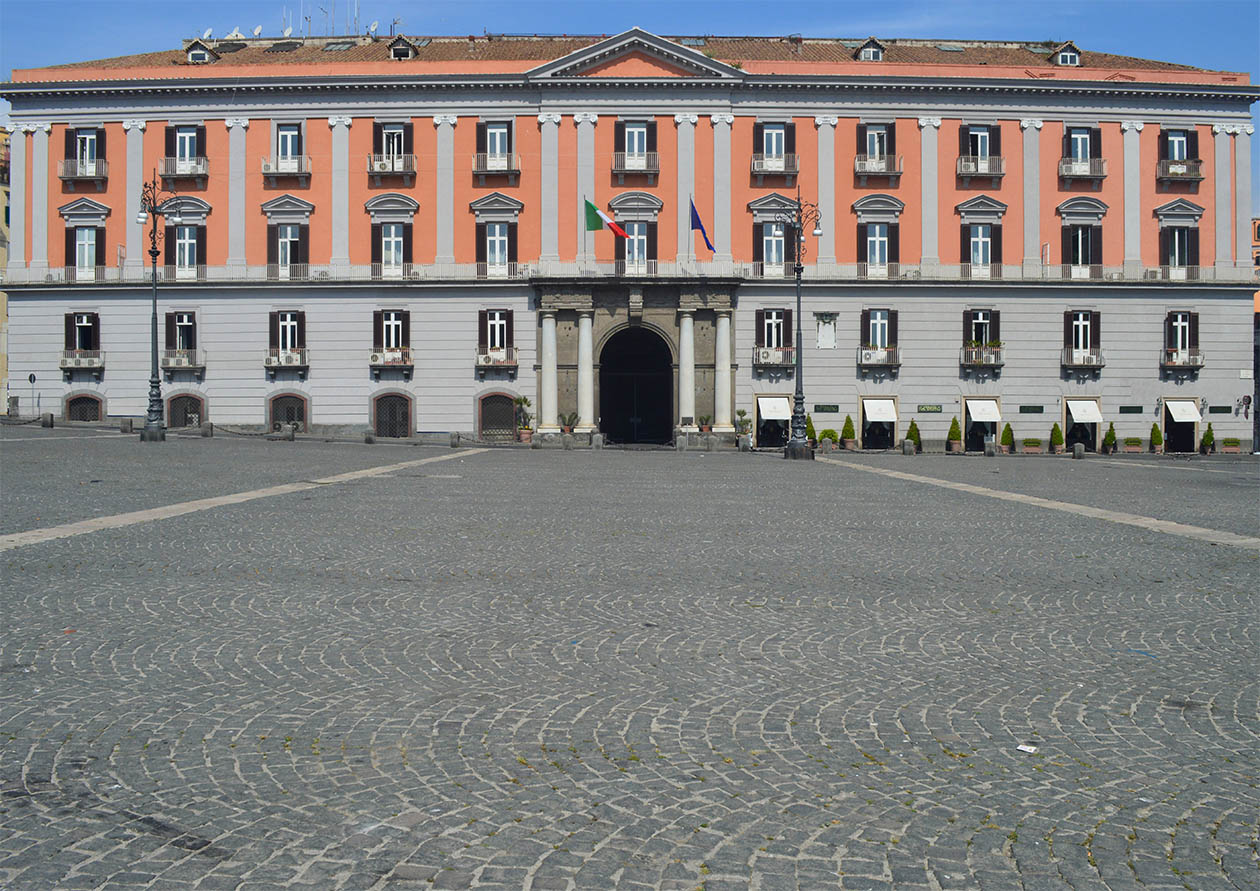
x: 198, y: 56
x: 401, y: 50
x: 871, y: 54
x: 1069, y: 57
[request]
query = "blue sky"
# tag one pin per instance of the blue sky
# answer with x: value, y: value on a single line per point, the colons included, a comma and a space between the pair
x: 1222, y: 34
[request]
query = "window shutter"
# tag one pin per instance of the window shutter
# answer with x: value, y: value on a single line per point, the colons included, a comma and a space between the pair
x: 758, y: 247
x: 619, y: 136
x: 1065, y: 250
x: 1095, y: 245
x: 892, y: 327
x: 378, y: 330
x: 483, y: 328
x: 862, y: 255
x: 894, y: 243
x: 1067, y: 328
x: 1095, y: 142
x: 511, y: 242
x: 1095, y: 329
x: 759, y: 139
x: 619, y: 248
x: 789, y: 139
x: 1067, y: 143
x: 759, y: 320
x: 1169, y: 342
x: 481, y: 139
x: 304, y: 244
x: 406, y: 328
x: 95, y: 319
x: 378, y: 139
x: 791, y: 241
x: 511, y: 135
x: 71, y: 259
x: 964, y: 140
x: 861, y: 139
x: 70, y: 331
x: 376, y: 243
x: 100, y: 247
x: 71, y: 148
x: 170, y: 330
x: 301, y: 331
x: 409, y: 139
x: 201, y: 246
x: 964, y: 244
x: 481, y: 242
x: 1194, y: 330
x: 168, y: 245
x: 1192, y: 143
x: 892, y: 139
x: 967, y: 316
x: 510, y: 340
x: 192, y: 333
x: 406, y: 242
x: 273, y: 330
x: 864, y: 328
x: 995, y: 141
x: 1163, y: 247
x: 170, y: 142
x: 651, y: 241
x: 1163, y: 145
x: 787, y: 328
x: 301, y: 134
x: 100, y: 145
x: 996, y: 252
x: 273, y: 245
x: 995, y: 325
x: 1192, y: 259
x: 651, y: 136
x: 201, y: 142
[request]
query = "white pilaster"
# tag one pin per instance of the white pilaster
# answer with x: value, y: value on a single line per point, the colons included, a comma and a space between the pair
x: 929, y: 131
x: 134, y: 239
x: 444, y: 200
x: 1032, y: 194
x: 39, y: 197
x: 236, y: 128
x: 721, y: 222
x: 1132, y: 197
x: 549, y: 393
x: 686, y: 183
x: 17, y: 196
x: 827, y: 187
x: 549, y: 186
x: 687, y: 370
x: 722, y: 374
x: 586, y: 373
x: 1224, y: 185
x: 585, y: 123
x: 340, y: 181
x: 1242, y: 195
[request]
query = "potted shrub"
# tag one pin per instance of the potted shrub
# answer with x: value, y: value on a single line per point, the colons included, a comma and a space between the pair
x: 954, y: 439
x: 1207, y: 444
x: 743, y: 423
x: 703, y: 421
x: 809, y: 430
x: 831, y: 435
x: 523, y: 418
x: 1056, y: 439
x: 1008, y: 440
x: 1109, y: 440
x: 1132, y: 444
x: 1032, y: 446
x: 912, y: 434
x: 568, y: 422
x: 847, y: 436
x: 1230, y: 446
x: 1157, y: 439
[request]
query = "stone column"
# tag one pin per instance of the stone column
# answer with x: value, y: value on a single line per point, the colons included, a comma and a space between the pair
x: 721, y: 222
x: 929, y: 132
x: 1132, y: 198
x: 1242, y: 196
x: 237, y: 161
x: 1224, y: 226
x: 39, y: 198
x: 586, y: 373
x: 134, y: 240
x: 17, y: 197
x: 549, y: 183
x: 722, y: 374
x: 826, y: 189
x: 686, y: 183
x: 585, y: 183
x: 1032, y: 195
x: 687, y: 370
x: 444, y: 199
x: 548, y: 392
x: 340, y: 209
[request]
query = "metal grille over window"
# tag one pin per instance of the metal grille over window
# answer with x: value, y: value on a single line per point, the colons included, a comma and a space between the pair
x: 185, y: 411
x: 83, y: 408
x: 393, y: 416
x: 288, y: 410
x: 498, y: 419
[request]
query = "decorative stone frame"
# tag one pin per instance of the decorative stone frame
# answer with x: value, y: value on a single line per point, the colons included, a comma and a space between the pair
x: 496, y: 208
x: 768, y: 208
x: 636, y: 207
x: 84, y: 212
x: 279, y: 394
x: 411, y: 409
x: 1081, y: 210
x: 392, y: 207
x: 981, y: 210
x: 878, y: 209
x: 1179, y: 213
x: 67, y: 398
x: 191, y: 211
x: 288, y: 210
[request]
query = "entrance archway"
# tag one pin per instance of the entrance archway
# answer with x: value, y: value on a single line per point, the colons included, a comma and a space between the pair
x: 636, y: 388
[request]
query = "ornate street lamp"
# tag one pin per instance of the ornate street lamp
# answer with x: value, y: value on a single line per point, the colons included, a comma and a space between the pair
x: 804, y: 215
x: 152, y: 199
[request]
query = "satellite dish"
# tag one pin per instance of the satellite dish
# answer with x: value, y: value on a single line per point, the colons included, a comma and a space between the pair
x: 257, y: 30
x: 372, y: 28
x: 236, y: 33
x: 206, y: 35
x: 288, y: 31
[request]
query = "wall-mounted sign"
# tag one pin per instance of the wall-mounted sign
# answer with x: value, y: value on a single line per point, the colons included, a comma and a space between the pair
x: 826, y: 409
x: 1130, y: 409
x: 1032, y: 409
x: 929, y: 409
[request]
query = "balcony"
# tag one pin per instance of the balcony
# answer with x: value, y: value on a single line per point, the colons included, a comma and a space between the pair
x: 82, y: 360
x: 84, y: 275
x: 174, y: 169
x: 1187, y: 170
x: 873, y: 357
x: 1090, y: 359
x: 774, y: 165
x: 183, y: 360
x: 381, y: 167
x: 1191, y: 359
x: 393, y: 272
x: 287, y: 167
x: 992, y: 167
x: 981, y: 272
x: 287, y: 360
x: 879, y: 271
x: 184, y: 273
x: 502, y: 270
x: 1073, y: 272
x: 1083, y: 168
x: 633, y: 268
x: 502, y: 359
x: 397, y: 359
x: 288, y: 272
x: 496, y: 164
x: 774, y: 357
x: 1178, y: 273
x: 72, y: 170
x: 889, y: 166
x: 636, y: 164
x: 772, y: 270
x: 980, y: 356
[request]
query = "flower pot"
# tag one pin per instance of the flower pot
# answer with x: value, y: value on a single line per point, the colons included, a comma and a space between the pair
x: 706, y: 428
x: 1005, y: 449
x: 1230, y: 449
x: 954, y: 445
x: 850, y: 445
x: 564, y: 428
x: 1056, y: 449
x: 1132, y: 449
x: 1157, y: 449
x: 525, y: 435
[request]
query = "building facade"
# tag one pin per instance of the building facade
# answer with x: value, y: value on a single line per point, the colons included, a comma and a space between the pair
x: 392, y: 234
x: 4, y: 263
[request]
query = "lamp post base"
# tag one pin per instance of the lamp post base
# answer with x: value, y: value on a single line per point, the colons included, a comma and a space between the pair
x: 153, y: 434
x: 798, y: 451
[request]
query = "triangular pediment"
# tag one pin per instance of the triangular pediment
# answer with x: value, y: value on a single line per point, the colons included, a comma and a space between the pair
x: 496, y: 201
x: 772, y: 202
x: 1179, y: 207
x: 635, y: 55
x: 981, y: 209
x: 287, y: 204
x: 81, y: 207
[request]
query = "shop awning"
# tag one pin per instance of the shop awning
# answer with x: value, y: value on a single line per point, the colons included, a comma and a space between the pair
x: 983, y: 410
x: 880, y: 409
x: 1183, y: 410
x: 1084, y: 411
x: 774, y: 408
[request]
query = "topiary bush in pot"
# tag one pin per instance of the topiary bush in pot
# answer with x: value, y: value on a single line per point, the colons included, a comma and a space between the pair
x: 912, y: 434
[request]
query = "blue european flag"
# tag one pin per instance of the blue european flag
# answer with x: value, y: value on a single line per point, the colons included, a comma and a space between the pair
x: 696, y: 224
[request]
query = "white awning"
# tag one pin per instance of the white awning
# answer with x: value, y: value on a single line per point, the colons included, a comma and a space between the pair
x: 774, y: 408
x: 1183, y: 410
x: 983, y: 410
x: 1084, y: 411
x: 880, y: 409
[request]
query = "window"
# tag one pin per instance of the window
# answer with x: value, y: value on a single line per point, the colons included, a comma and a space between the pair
x: 392, y: 140
x: 1179, y: 330
x: 496, y: 329
x: 1078, y: 143
x: 392, y: 243
x: 772, y: 245
x: 495, y: 234
x: 977, y: 326
x: 185, y: 149
x: 636, y: 246
x: 978, y: 142
x: 185, y: 251
x: 871, y: 54
x: 878, y: 329
x: 1178, y: 247
x: 85, y: 253
x: 289, y: 147
x: 1082, y: 249
x: 185, y: 331
x: 1178, y: 144
x: 877, y: 244
x: 85, y: 151
x: 877, y: 337
x: 395, y: 329
x: 772, y: 328
x: 497, y: 246
x: 1069, y: 57
x: 197, y: 56
x: 288, y: 247
x: 498, y: 144
x: 1081, y: 328
x: 1181, y: 339
x: 400, y: 53
x: 636, y: 140
x: 290, y: 331
x: 772, y: 140
x: 981, y: 245
x: 1179, y: 251
x: 84, y: 331
x: 877, y: 140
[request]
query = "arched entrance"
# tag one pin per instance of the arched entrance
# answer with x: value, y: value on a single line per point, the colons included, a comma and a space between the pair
x: 288, y: 409
x: 393, y: 415
x: 184, y: 411
x: 83, y: 408
x: 636, y: 388
x: 498, y: 418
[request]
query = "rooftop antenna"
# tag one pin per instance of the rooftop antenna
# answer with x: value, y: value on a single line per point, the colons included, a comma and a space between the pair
x: 206, y: 35
x: 325, y: 12
x: 372, y: 28
x: 257, y: 30
x: 393, y: 25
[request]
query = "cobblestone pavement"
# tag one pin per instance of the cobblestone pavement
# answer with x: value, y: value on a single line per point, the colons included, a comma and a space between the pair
x: 620, y: 670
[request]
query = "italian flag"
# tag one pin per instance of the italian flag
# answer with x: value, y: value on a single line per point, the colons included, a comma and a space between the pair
x: 596, y: 219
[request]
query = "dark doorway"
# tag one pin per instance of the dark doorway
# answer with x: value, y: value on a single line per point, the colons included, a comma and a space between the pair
x: 1178, y: 435
x: 393, y: 416
x: 288, y: 410
x: 973, y: 440
x: 498, y: 418
x: 636, y: 383
x: 1087, y: 434
x: 83, y: 408
x: 184, y: 411
x: 771, y: 433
